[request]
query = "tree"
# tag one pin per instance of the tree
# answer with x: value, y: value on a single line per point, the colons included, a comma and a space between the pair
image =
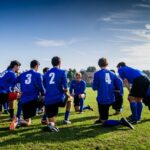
x: 91, y: 69
x: 71, y: 74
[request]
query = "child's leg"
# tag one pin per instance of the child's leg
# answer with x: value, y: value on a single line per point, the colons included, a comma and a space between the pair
x: 76, y: 103
x: 19, y: 110
x: 139, y: 109
x: 104, y: 111
x: 5, y: 106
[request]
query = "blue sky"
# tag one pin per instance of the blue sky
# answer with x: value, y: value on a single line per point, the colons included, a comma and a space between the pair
x: 79, y: 31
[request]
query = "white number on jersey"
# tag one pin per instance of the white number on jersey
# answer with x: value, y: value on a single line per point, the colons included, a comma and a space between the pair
x: 107, y: 78
x: 52, y: 77
x: 2, y: 74
x: 28, y: 80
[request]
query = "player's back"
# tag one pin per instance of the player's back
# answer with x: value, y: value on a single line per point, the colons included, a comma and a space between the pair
x: 104, y: 83
x: 30, y: 84
x: 6, y: 79
x: 130, y: 73
x: 55, y: 80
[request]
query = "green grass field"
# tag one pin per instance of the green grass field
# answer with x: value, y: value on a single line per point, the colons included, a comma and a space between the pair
x: 82, y: 134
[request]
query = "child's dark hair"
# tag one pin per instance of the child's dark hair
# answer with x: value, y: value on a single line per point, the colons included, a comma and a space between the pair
x: 121, y: 64
x: 112, y: 70
x: 103, y: 62
x: 13, y: 64
x: 45, y: 70
x: 56, y: 61
x: 34, y: 63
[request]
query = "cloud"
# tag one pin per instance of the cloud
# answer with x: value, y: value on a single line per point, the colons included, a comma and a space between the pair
x: 58, y: 43
x: 142, y: 5
x: 138, y: 53
x: 49, y: 43
x: 147, y: 26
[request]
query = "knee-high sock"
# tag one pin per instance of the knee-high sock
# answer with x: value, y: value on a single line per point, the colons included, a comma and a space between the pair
x: 133, y: 107
x: 11, y: 111
x: 86, y: 107
x: 139, y: 109
x: 81, y: 104
x: 19, y: 110
x: 5, y: 106
x: 44, y: 117
x: 67, y: 114
x: 111, y: 123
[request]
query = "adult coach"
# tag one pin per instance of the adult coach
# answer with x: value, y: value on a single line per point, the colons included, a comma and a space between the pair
x: 140, y: 84
x: 55, y: 82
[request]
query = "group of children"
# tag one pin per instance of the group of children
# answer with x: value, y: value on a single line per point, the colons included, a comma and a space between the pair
x: 50, y: 91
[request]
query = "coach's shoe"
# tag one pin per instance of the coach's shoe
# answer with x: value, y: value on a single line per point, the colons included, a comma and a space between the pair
x: 98, y: 121
x: 13, y: 124
x: 66, y: 122
x: 52, y: 128
x: 126, y: 123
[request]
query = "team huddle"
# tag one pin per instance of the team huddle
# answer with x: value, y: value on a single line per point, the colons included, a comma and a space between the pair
x: 50, y: 91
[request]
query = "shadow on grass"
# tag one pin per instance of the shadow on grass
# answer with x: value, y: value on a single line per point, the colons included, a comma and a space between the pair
x: 67, y: 133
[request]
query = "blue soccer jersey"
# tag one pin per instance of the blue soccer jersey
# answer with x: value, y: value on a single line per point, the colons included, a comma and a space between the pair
x: 119, y: 86
x: 31, y: 85
x: 105, y: 83
x: 6, y: 80
x: 55, y: 82
x: 77, y: 88
x: 129, y: 73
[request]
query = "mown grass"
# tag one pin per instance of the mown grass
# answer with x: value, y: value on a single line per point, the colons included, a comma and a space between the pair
x: 82, y: 134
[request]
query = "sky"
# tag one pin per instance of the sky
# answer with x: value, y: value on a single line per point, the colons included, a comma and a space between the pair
x: 78, y: 31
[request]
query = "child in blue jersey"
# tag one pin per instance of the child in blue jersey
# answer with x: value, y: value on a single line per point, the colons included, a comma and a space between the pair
x: 44, y: 118
x: 117, y: 105
x: 104, y: 83
x: 31, y: 85
x: 77, y: 90
x: 55, y: 82
x: 137, y: 83
x: 7, y: 78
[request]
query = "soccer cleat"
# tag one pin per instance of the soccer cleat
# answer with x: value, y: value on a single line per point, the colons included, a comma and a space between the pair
x: 98, y: 122
x: 66, y: 122
x: 5, y: 112
x: 13, y: 124
x: 91, y: 108
x: 126, y: 123
x: 19, y: 123
x: 130, y: 119
x: 52, y: 128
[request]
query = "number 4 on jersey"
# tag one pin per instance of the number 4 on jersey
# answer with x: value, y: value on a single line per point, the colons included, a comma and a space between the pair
x: 107, y: 78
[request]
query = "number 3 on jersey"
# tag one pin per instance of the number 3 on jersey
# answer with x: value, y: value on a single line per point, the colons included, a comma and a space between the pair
x: 28, y: 79
x: 107, y: 78
x: 52, y: 77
